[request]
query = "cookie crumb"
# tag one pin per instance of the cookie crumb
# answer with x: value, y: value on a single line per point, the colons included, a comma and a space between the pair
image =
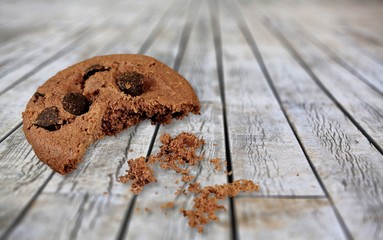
x: 178, y: 151
x: 217, y: 163
x: 194, y: 187
x: 206, y: 202
x: 187, y: 178
x: 140, y: 173
x: 167, y: 205
x: 178, y: 154
x: 180, y: 191
x: 174, y: 154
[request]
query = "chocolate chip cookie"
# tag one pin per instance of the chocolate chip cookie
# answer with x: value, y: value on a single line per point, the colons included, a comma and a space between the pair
x: 98, y: 97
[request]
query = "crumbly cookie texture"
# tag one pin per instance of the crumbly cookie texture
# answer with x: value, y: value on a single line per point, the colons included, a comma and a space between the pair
x: 140, y: 173
x: 179, y: 153
x: 206, y: 202
x: 98, y: 97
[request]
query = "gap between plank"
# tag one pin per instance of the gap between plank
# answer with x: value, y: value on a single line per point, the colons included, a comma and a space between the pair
x: 83, y: 34
x: 51, y: 59
x: 242, y: 25
x: 278, y: 34
x: 26, y: 208
x: 214, y: 18
x: 158, y: 28
x: 129, y: 213
x: 177, y: 62
x: 12, y: 130
x: 336, y: 57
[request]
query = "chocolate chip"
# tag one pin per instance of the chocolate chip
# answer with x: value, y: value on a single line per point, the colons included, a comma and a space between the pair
x: 131, y: 83
x: 48, y: 119
x: 75, y: 103
x: 93, y: 69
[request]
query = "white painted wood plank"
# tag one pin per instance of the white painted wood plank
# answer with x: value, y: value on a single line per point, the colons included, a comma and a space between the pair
x: 85, y: 211
x: 21, y: 176
x: 331, y: 38
x: 75, y: 186
x: 365, y: 40
x: 84, y: 207
x: 286, y: 219
x: 357, y: 25
x: 88, y: 203
x: 361, y: 63
x: 199, y: 65
x: 349, y: 167
x: 360, y: 14
x: 47, y: 45
x: 364, y: 104
x: 366, y: 110
x: 167, y: 42
x: 22, y: 33
x: 208, y: 125
x: 263, y: 146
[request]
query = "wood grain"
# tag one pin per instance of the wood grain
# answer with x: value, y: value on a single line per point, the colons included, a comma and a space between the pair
x: 263, y: 147
x: 291, y: 94
x: 286, y: 218
x: 356, y: 98
x: 31, y: 56
x: 208, y: 125
x: 341, y: 155
x: 356, y: 62
x: 22, y: 175
x: 335, y: 42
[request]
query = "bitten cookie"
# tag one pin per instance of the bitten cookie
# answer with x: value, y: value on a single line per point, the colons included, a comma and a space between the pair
x: 98, y: 97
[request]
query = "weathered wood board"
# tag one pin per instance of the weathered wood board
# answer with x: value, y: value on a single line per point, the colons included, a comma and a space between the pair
x: 291, y: 97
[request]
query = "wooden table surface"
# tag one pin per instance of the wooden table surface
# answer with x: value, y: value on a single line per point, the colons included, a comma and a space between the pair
x: 292, y: 98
